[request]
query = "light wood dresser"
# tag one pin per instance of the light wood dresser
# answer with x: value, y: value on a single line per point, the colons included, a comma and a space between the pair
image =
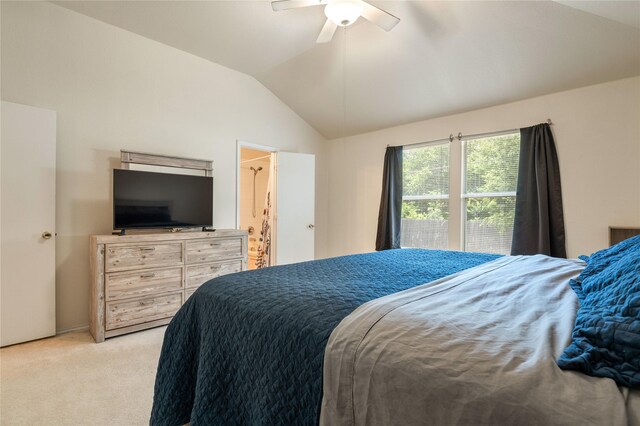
x: 140, y: 281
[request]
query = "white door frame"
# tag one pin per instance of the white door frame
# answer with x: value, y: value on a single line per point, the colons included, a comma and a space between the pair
x: 274, y: 179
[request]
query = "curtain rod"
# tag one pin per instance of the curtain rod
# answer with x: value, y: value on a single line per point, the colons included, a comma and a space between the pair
x: 461, y: 136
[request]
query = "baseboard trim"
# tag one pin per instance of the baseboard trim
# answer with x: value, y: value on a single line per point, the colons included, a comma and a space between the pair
x: 71, y: 330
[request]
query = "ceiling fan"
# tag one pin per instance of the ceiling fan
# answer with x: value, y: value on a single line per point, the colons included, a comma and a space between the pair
x: 341, y: 13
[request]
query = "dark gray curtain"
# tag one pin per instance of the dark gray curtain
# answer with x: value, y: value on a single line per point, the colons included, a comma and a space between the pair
x: 389, y: 217
x: 539, y: 220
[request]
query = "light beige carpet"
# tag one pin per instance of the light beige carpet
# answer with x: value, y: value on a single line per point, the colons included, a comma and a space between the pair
x: 70, y: 380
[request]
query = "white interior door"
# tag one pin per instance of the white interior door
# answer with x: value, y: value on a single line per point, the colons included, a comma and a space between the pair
x: 295, y: 207
x: 27, y: 213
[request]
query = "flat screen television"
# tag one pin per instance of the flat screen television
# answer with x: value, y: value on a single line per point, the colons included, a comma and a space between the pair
x: 161, y: 200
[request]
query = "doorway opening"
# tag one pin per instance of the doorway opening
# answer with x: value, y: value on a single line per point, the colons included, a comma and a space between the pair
x: 256, y: 204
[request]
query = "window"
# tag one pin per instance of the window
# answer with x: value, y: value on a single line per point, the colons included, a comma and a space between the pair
x: 472, y: 210
x: 425, y: 196
x: 489, y: 192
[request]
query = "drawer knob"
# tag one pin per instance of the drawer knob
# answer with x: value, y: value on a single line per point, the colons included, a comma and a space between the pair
x: 147, y: 248
x: 149, y: 275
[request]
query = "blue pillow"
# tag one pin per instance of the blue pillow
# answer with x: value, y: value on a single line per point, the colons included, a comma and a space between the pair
x: 602, y: 259
x: 606, y: 336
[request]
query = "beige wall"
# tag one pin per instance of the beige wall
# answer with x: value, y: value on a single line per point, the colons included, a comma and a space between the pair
x: 597, y: 132
x: 113, y: 89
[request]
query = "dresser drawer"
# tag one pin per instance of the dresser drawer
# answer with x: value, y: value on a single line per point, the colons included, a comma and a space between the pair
x: 126, y: 257
x: 120, y: 285
x: 123, y: 314
x: 199, y: 274
x: 213, y: 249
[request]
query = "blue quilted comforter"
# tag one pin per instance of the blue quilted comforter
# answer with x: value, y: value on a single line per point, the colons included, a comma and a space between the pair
x: 248, y: 348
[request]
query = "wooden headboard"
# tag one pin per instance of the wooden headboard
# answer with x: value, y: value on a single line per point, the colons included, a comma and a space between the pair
x: 621, y: 233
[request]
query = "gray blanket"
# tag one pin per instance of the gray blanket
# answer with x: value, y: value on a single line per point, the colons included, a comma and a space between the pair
x: 478, y: 347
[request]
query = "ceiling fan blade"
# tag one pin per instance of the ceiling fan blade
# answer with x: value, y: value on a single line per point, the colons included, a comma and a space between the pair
x: 293, y: 4
x: 383, y: 19
x: 327, y: 32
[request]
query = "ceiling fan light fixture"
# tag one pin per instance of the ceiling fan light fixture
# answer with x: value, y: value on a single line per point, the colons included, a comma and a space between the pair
x: 343, y: 12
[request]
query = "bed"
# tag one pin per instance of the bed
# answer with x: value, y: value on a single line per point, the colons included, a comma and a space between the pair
x: 397, y: 337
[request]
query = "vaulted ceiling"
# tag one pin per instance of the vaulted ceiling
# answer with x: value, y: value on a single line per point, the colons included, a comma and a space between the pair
x: 443, y: 57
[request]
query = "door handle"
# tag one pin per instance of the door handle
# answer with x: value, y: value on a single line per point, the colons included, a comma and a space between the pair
x: 46, y: 235
x: 311, y: 226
